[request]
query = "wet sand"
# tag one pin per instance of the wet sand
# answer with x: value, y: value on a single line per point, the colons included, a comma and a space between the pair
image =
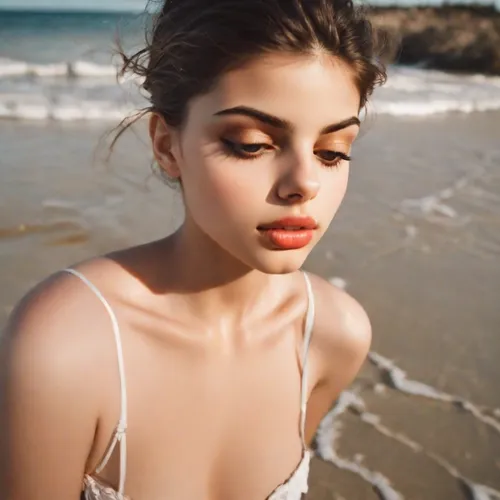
x: 417, y: 242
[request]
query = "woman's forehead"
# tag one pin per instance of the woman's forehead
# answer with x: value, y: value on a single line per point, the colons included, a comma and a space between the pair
x: 302, y: 90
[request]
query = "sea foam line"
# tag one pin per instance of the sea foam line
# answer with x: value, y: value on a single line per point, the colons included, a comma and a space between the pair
x: 41, y: 109
x: 326, y: 438
x: 475, y: 491
x: 433, y: 107
x: 433, y: 204
x: 74, y: 69
x: 399, y: 380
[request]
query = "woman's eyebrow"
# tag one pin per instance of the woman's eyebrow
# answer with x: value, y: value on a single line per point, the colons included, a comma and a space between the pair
x: 281, y: 123
x: 263, y: 117
x: 349, y: 122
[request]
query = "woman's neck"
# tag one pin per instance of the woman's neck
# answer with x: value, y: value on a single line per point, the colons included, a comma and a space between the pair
x: 213, y: 283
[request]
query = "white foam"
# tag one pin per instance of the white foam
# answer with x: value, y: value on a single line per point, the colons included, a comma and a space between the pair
x: 39, y: 108
x: 426, y: 108
x: 402, y: 383
x: 327, y: 435
x: 408, y: 92
x: 23, y: 111
x: 427, y: 205
x: 419, y: 92
x: 476, y: 491
x: 87, y: 111
x: 15, y: 68
x: 330, y: 429
x: 12, y: 68
x: 435, y: 207
x: 82, y: 69
x: 66, y: 91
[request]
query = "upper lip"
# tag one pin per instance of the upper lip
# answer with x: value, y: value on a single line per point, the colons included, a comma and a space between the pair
x: 291, y: 223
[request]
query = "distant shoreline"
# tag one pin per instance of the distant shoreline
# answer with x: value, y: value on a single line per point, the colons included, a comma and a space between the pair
x: 70, y: 11
x: 463, y: 39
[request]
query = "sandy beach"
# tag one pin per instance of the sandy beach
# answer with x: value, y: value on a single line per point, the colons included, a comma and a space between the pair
x: 417, y: 241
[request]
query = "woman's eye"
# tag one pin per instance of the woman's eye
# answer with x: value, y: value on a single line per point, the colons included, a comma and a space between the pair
x: 245, y: 150
x: 331, y: 158
x: 251, y: 148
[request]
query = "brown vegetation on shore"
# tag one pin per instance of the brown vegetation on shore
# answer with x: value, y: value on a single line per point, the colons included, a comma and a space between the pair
x: 451, y: 38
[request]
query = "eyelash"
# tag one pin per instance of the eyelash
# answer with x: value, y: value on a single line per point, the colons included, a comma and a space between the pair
x: 236, y: 149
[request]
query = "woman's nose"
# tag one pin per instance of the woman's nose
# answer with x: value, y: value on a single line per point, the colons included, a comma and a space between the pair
x: 300, y: 182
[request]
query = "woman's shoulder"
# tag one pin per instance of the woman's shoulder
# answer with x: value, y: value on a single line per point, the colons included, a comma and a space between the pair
x: 57, y: 360
x: 59, y: 325
x: 61, y: 301
x: 342, y: 330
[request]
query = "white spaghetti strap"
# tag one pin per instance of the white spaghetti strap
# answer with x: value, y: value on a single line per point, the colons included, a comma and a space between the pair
x: 309, y: 324
x: 120, y: 435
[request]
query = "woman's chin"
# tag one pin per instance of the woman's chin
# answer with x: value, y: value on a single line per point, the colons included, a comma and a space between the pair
x: 280, y: 262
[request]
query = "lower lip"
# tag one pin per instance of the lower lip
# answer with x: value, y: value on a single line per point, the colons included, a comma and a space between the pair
x: 287, y: 239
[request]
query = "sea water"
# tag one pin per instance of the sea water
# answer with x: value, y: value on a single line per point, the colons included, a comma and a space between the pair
x: 64, y: 66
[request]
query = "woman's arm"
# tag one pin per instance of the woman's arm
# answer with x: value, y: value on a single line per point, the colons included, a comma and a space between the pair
x: 340, y: 343
x: 47, y: 411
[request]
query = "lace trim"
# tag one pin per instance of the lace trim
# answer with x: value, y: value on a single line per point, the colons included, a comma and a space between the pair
x: 93, y: 489
x: 297, y: 485
x: 293, y: 489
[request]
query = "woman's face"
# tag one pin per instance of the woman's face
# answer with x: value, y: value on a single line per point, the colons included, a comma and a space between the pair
x: 264, y: 157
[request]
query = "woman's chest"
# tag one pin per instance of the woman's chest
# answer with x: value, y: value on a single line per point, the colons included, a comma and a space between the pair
x: 201, y: 427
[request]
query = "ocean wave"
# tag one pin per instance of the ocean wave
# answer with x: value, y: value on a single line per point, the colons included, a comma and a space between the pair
x: 413, y: 79
x: 420, y: 92
x: 440, y: 106
x: 70, y: 69
x: 82, y: 90
x: 42, y: 109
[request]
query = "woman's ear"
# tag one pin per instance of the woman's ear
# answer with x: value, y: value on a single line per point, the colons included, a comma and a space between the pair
x: 162, y: 139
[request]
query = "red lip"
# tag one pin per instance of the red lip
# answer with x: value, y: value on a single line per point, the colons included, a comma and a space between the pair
x: 290, y: 233
x: 291, y: 223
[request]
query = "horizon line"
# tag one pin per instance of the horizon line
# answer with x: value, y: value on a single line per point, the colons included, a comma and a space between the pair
x: 480, y: 4
x: 69, y: 10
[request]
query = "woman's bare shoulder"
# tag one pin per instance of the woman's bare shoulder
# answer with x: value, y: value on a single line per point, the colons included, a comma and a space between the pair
x: 59, y: 304
x: 342, y: 333
x: 51, y: 382
x: 59, y: 324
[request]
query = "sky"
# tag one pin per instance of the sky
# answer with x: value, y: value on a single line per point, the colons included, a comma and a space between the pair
x: 138, y: 5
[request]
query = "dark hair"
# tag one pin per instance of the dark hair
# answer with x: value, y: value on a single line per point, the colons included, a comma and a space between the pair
x: 193, y: 42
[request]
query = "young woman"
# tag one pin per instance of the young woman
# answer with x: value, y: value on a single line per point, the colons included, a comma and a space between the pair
x: 198, y: 366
